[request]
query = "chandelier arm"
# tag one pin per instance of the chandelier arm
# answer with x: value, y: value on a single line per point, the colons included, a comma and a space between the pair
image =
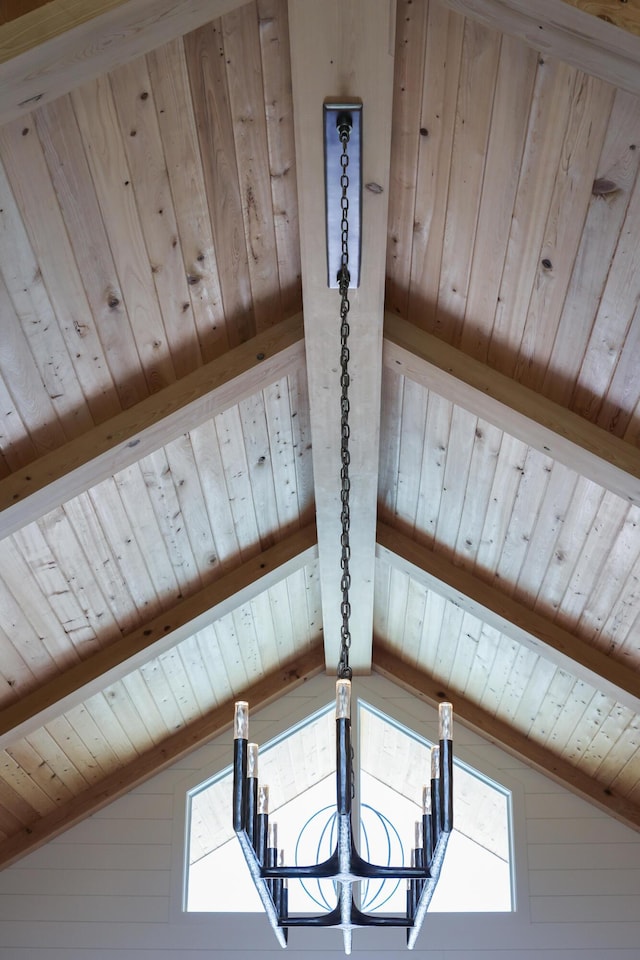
x: 262, y: 887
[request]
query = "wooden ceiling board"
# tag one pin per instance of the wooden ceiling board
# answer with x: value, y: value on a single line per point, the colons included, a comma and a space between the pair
x: 159, y: 552
x: 509, y: 681
x: 170, y: 692
x: 498, y: 262
x: 584, y: 568
x: 572, y: 35
x: 309, y: 754
x: 131, y: 547
x: 120, y: 278
x: 122, y: 779
x: 500, y: 611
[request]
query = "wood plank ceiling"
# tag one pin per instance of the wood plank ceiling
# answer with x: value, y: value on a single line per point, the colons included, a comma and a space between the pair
x: 165, y: 445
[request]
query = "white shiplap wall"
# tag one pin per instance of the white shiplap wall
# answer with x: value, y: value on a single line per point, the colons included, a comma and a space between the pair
x: 109, y: 889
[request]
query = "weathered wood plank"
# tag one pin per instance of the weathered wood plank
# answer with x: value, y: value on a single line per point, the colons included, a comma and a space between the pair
x: 558, y: 29
x: 47, y: 53
x: 512, y: 618
x: 66, y: 160
x: 174, y: 106
x: 330, y: 58
x: 626, y: 16
x: 160, y: 634
x: 204, y: 51
x: 245, y: 85
x: 272, y: 687
x: 64, y: 473
x: 519, y: 411
x: 276, y: 75
x: 489, y: 727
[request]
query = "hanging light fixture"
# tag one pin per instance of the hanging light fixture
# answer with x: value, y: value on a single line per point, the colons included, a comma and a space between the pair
x: 258, y: 838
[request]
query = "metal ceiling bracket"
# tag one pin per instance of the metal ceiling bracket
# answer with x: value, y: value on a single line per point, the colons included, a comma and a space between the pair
x: 334, y: 116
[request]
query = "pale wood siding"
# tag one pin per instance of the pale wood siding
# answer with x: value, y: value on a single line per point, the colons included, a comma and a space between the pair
x: 148, y: 222
x: 513, y: 222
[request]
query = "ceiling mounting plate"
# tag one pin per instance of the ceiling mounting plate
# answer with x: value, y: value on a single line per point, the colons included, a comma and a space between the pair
x: 333, y: 190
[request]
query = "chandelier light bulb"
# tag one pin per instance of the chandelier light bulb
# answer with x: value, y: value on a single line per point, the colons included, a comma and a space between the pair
x: 343, y: 700
x: 241, y: 721
x: 445, y: 711
x: 252, y: 760
x: 273, y: 836
x: 435, y: 763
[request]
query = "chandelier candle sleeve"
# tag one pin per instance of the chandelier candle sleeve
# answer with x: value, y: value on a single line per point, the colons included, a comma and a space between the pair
x: 240, y: 738
x: 343, y: 747
x: 446, y: 767
x: 241, y: 720
x: 252, y: 791
x: 435, y: 796
x: 343, y: 700
x: 427, y: 836
x: 262, y: 824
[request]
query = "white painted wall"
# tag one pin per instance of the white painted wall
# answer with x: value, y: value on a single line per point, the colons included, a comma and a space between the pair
x: 109, y: 889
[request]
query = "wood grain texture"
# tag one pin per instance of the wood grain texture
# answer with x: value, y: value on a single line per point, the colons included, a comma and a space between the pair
x: 289, y: 677
x: 330, y: 60
x: 626, y: 16
x: 43, y: 57
x: 551, y: 429
x: 388, y: 664
x: 174, y: 108
x: 150, y: 424
x: 509, y: 617
x: 64, y: 153
x: 204, y: 51
x: 556, y: 27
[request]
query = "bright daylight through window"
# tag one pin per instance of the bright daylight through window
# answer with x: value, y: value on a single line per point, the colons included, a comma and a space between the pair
x: 300, y: 770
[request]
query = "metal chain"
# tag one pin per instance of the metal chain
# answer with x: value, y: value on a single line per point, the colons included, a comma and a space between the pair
x: 344, y: 670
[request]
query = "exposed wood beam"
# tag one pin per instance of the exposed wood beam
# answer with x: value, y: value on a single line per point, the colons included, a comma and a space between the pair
x: 558, y: 29
x: 14, y: 9
x: 112, y: 663
x: 344, y: 49
x: 31, y: 22
x: 282, y: 681
x: 64, y: 43
x: 510, y: 617
x: 64, y: 473
x: 546, y: 426
x: 431, y: 690
x: 618, y: 12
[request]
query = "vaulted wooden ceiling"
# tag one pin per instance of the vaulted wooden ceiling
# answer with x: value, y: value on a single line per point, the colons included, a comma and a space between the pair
x: 169, y: 380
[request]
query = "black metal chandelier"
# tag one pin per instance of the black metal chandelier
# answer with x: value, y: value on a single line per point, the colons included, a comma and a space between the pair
x: 258, y: 838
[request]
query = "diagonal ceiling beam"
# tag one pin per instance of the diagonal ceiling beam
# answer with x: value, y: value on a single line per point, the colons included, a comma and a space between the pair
x: 115, y: 661
x: 64, y: 43
x: 282, y: 681
x: 540, y: 423
x: 343, y: 49
x: 618, y: 12
x: 558, y: 29
x: 510, y: 617
x: 64, y: 473
x: 427, y: 688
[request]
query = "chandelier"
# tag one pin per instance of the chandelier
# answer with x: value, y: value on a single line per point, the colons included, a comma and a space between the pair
x: 258, y: 837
